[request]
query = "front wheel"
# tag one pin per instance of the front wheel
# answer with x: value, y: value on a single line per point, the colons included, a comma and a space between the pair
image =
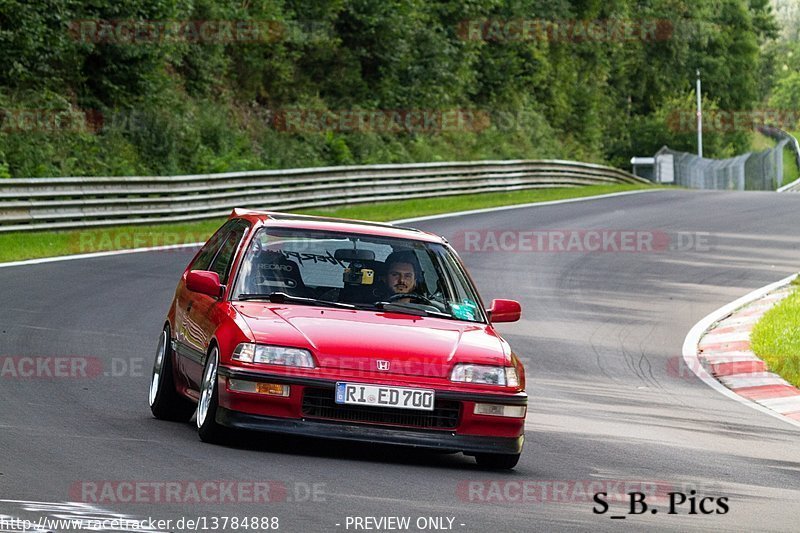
x: 165, y: 402
x: 497, y: 461
x: 207, y: 426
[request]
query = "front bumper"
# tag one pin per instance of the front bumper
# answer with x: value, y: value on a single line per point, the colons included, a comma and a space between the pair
x: 472, y: 434
x: 435, y: 440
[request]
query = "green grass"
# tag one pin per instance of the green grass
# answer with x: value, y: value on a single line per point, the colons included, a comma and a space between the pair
x: 31, y: 245
x: 760, y: 142
x: 776, y: 338
x: 790, y: 170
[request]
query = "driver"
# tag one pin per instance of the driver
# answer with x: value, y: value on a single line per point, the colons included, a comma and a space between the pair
x: 403, y: 274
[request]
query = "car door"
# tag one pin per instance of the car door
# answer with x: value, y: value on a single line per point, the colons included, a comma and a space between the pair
x: 201, y: 317
x: 185, y: 299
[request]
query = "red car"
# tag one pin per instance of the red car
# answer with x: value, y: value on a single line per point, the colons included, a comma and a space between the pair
x: 339, y: 329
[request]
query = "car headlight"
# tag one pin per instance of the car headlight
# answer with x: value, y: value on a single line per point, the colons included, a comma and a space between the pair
x: 273, y: 355
x: 487, y: 375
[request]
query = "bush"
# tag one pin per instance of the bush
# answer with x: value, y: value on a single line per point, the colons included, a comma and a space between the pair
x: 174, y: 107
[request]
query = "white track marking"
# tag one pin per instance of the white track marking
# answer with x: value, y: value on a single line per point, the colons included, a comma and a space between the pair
x: 752, y: 379
x: 522, y: 206
x: 787, y: 404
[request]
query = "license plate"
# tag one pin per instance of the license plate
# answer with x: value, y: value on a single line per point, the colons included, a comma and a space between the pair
x: 382, y: 396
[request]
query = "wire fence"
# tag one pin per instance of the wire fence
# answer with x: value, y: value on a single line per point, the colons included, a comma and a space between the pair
x: 777, y: 133
x: 754, y: 171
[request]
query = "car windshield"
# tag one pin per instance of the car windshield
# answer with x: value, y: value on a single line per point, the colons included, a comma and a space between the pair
x: 364, y: 271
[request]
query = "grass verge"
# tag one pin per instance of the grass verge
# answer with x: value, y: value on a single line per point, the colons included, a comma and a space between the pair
x: 776, y: 338
x: 790, y: 170
x: 32, y: 245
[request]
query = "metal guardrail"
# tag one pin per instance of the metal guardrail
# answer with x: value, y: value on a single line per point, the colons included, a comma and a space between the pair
x: 72, y: 203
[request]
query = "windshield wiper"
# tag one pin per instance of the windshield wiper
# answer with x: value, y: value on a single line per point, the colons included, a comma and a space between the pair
x: 410, y: 309
x: 396, y: 307
x: 282, y: 297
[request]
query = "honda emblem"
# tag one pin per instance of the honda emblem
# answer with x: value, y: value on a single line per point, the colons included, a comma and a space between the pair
x: 383, y: 365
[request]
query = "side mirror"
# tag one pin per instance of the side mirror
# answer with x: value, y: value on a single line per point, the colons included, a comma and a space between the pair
x: 204, y: 282
x: 505, y: 311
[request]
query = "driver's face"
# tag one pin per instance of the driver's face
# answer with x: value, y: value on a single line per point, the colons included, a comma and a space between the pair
x: 400, y: 278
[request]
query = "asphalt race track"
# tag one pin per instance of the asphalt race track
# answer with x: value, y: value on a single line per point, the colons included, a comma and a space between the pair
x: 601, y: 338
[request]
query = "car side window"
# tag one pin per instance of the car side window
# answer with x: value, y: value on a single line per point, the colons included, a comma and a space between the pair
x: 210, y: 249
x: 222, y: 262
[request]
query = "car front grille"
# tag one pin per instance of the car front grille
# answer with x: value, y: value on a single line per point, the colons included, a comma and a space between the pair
x: 319, y: 403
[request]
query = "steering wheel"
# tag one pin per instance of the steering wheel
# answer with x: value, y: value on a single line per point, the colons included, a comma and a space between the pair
x: 414, y: 297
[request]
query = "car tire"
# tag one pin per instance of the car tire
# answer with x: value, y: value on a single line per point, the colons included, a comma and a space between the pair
x: 207, y: 427
x: 165, y: 401
x: 497, y: 461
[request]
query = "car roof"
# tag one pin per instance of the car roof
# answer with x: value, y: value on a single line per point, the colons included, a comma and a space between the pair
x: 343, y: 225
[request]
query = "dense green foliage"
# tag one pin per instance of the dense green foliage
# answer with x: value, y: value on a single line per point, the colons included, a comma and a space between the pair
x: 780, y: 62
x: 187, y: 105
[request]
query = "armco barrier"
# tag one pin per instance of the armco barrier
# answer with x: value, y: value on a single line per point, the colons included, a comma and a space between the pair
x: 71, y: 203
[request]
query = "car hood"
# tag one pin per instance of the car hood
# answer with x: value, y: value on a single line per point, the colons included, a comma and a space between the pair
x: 357, y: 340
